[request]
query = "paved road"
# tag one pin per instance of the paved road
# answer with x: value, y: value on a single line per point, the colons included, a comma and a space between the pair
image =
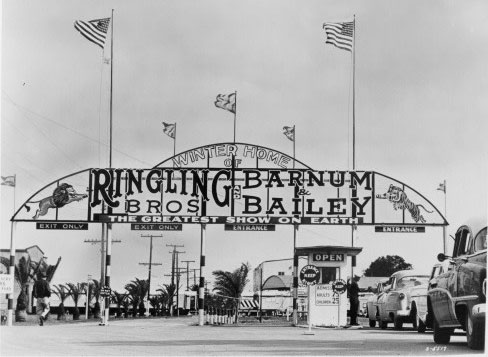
x: 178, y: 336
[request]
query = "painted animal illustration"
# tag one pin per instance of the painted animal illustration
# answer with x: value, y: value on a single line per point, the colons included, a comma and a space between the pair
x: 400, y: 201
x: 62, y: 195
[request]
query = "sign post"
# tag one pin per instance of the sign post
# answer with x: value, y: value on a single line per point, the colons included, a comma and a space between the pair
x: 309, y: 275
x: 339, y: 287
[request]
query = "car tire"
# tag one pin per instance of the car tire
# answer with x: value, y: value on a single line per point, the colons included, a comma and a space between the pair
x: 384, y: 325
x: 441, y: 335
x: 414, y: 317
x: 421, y: 327
x: 398, y: 323
x: 372, y: 323
x: 475, y: 333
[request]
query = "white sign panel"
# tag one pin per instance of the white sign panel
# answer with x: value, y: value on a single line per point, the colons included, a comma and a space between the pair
x: 6, y: 284
x: 325, y: 295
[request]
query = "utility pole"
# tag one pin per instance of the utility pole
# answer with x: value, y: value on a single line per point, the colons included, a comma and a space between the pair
x: 174, y: 264
x: 102, y: 251
x: 150, y: 264
x: 188, y: 272
x: 195, y: 275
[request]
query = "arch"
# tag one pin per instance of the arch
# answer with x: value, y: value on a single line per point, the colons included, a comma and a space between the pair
x: 381, y: 194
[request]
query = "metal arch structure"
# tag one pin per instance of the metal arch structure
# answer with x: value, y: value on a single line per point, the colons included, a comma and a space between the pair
x: 223, y: 156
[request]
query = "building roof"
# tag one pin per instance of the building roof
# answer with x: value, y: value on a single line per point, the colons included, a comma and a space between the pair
x: 25, y: 250
x: 278, y: 282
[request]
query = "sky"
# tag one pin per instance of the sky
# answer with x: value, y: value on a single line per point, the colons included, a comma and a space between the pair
x: 421, y: 83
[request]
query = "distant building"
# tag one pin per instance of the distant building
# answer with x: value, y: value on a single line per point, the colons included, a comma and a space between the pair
x: 37, y: 256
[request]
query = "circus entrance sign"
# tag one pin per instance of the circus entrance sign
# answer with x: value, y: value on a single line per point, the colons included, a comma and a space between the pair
x: 242, y: 187
x: 229, y: 184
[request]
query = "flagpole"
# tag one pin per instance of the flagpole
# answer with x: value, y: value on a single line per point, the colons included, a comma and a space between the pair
x: 354, y: 95
x: 353, y: 230
x: 15, y: 187
x: 108, y: 237
x: 235, y: 114
x: 444, y: 230
x: 111, y: 81
x: 174, y: 142
x: 294, y: 139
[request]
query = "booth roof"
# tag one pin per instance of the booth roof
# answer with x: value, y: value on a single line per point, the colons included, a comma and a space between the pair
x: 352, y: 251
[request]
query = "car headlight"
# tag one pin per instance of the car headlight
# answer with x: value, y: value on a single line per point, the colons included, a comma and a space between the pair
x: 401, y: 296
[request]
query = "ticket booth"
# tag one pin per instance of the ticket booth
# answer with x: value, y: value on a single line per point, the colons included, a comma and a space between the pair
x: 327, y: 307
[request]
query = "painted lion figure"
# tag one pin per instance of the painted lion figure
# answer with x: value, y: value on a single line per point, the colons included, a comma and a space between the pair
x: 62, y: 195
x: 400, y: 201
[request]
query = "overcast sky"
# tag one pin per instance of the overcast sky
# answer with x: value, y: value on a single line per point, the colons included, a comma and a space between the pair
x: 421, y: 89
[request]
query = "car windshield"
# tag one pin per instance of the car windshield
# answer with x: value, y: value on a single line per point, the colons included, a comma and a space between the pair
x: 411, y: 281
x: 480, y: 240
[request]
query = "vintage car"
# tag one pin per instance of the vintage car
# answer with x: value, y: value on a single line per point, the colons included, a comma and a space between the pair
x: 372, y: 303
x: 419, y: 302
x: 459, y: 298
x: 395, y: 305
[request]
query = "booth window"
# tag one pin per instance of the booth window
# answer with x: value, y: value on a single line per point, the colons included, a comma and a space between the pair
x: 328, y: 275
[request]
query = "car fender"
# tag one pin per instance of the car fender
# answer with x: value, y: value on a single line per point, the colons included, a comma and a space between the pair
x: 443, y: 308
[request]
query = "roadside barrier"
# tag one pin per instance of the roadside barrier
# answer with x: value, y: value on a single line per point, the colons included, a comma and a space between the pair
x: 221, y: 310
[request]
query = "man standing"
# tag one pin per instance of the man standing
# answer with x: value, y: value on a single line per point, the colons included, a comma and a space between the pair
x: 42, y: 292
x: 353, y: 290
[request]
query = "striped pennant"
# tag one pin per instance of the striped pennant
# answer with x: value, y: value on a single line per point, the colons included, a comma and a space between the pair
x: 340, y: 34
x: 94, y: 30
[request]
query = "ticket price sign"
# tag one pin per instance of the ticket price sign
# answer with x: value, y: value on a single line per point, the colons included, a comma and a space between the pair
x: 326, y: 296
x: 309, y: 275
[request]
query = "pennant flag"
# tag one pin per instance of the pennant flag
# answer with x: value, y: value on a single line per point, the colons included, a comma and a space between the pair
x: 94, y: 30
x: 340, y: 34
x: 169, y: 129
x: 442, y: 187
x: 289, y: 132
x: 227, y: 102
x: 8, y: 181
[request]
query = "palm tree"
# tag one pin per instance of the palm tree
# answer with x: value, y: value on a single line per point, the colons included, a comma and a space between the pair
x: 95, y: 288
x: 155, y: 302
x: 165, y: 298
x: 22, y: 275
x: 119, y: 299
x: 75, y: 291
x: 62, y: 293
x: 137, y: 289
x: 125, y: 304
x: 231, y: 284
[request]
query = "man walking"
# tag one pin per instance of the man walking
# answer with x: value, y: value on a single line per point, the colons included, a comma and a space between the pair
x: 42, y: 292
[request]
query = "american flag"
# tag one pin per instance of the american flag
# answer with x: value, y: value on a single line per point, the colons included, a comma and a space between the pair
x: 94, y: 30
x: 8, y: 180
x: 227, y: 102
x: 340, y: 34
x: 289, y: 132
x: 169, y: 129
